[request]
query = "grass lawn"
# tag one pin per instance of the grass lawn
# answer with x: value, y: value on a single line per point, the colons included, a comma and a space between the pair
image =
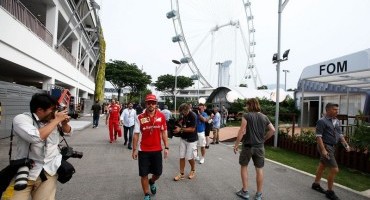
x: 350, y: 178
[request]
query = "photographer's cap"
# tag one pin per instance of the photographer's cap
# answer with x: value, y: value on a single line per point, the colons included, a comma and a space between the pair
x: 151, y: 97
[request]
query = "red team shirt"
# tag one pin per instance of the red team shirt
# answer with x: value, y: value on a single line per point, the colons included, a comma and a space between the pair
x: 114, y: 112
x: 150, y: 129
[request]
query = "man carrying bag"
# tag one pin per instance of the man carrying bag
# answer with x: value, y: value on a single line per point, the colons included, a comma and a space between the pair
x: 38, y: 139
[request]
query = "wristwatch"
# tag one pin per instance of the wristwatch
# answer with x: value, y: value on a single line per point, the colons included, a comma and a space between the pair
x: 167, y: 148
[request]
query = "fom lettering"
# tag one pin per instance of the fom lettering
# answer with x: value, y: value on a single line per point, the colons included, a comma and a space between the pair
x: 332, y: 68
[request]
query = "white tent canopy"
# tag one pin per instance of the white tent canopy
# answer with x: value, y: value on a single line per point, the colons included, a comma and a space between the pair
x: 246, y: 93
x: 351, y: 70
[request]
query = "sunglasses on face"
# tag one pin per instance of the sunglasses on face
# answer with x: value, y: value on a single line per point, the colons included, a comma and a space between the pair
x: 151, y: 103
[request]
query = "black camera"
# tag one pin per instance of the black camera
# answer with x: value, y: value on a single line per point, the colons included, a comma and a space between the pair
x: 67, y: 152
x: 71, y: 113
x: 196, y: 110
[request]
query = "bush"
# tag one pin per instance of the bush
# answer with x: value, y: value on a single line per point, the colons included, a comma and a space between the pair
x: 307, y: 137
x: 360, y: 139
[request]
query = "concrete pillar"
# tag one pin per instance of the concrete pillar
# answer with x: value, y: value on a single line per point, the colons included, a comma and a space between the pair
x: 86, y: 65
x: 52, y: 22
x: 48, y: 83
x: 74, y: 92
x: 75, y: 50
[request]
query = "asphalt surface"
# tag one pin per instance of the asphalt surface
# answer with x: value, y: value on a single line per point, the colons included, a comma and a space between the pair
x: 108, y: 172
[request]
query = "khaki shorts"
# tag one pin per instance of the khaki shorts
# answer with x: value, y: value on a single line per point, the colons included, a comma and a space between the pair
x: 38, y: 189
x: 331, y: 162
x: 256, y: 153
x: 201, y: 139
x: 188, y: 150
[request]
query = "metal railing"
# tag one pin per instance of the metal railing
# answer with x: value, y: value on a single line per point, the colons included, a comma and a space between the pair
x: 23, y: 15
x: 62, y: 50
x: 20, y: 12
x: 84, y: 71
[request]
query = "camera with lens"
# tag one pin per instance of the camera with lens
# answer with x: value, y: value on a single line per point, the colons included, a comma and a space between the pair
x: 68, y: 152
x: 71, y: 113
x: 196, y: 110
x: 21, y: 177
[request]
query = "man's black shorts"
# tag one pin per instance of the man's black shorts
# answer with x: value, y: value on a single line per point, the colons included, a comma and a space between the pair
x: 150, y: 162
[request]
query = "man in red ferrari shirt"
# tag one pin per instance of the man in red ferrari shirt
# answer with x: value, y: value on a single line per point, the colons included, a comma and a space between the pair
x: 152, y: 126
x: 114, y: 120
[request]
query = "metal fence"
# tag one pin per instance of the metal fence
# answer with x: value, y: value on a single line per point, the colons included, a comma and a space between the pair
x: 14, y: 99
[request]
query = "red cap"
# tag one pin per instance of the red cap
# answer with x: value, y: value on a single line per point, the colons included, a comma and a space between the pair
x: 151, y: 97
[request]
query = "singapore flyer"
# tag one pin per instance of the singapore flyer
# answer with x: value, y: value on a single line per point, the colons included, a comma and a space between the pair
x: 217, y: 41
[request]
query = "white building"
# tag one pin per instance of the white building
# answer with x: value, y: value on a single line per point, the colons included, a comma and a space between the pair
x: 44, y: 45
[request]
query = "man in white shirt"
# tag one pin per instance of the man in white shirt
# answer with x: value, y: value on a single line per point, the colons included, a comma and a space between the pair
x: 128, y: 118
x: 38, y: 139
x: 166, y: 112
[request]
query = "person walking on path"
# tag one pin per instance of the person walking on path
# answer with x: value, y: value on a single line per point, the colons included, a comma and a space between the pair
x: 209, y: 126
x: 128, y: 118
x: 253, y: 126
x: 96, y: 108
x: 186, y: 129
x: 166, y: 112
x: 152, y: 126
x: 328, y: 134
x: 225, y: 114
x: 114, y: 121
x: 38, y: 139
x: 202, y: 119
x: 216, y: 126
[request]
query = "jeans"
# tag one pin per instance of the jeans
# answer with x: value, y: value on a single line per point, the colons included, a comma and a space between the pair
x: 129, y: 129
x: 96, y: 120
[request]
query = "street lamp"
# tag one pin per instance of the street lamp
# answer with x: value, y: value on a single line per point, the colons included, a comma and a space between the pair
x: 285, y: 71
x: 178, y: 63
x: 276, y: 59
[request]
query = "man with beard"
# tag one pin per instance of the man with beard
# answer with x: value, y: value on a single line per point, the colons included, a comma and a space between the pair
x: 38, y: 139
x: 152, y: 126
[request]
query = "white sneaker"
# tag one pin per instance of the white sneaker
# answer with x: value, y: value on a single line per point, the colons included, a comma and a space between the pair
x: 197, y: 158
x: 201, y: 161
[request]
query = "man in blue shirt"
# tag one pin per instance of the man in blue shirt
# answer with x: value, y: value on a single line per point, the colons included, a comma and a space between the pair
x: 202, y: 118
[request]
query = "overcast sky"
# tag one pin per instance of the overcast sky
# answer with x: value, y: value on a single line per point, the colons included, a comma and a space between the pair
x: 137, y: 31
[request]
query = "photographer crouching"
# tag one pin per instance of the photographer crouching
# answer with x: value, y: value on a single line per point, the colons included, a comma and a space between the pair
x: 38, y: 139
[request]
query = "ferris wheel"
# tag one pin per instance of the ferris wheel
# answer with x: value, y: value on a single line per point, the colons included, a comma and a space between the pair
x: 217, y: 40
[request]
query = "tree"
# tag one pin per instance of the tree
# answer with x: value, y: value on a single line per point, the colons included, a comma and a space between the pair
x: 121, y: 74
x: 100, y: 74
x: 166, y: 84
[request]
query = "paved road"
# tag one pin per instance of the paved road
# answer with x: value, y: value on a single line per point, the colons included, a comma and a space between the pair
x: 108, y: 172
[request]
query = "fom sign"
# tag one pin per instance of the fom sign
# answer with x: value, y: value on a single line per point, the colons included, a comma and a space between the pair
x: 333, y: 68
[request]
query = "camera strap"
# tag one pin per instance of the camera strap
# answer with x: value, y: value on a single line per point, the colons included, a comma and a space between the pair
x: 60, y: 130
x: 11, y: 145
